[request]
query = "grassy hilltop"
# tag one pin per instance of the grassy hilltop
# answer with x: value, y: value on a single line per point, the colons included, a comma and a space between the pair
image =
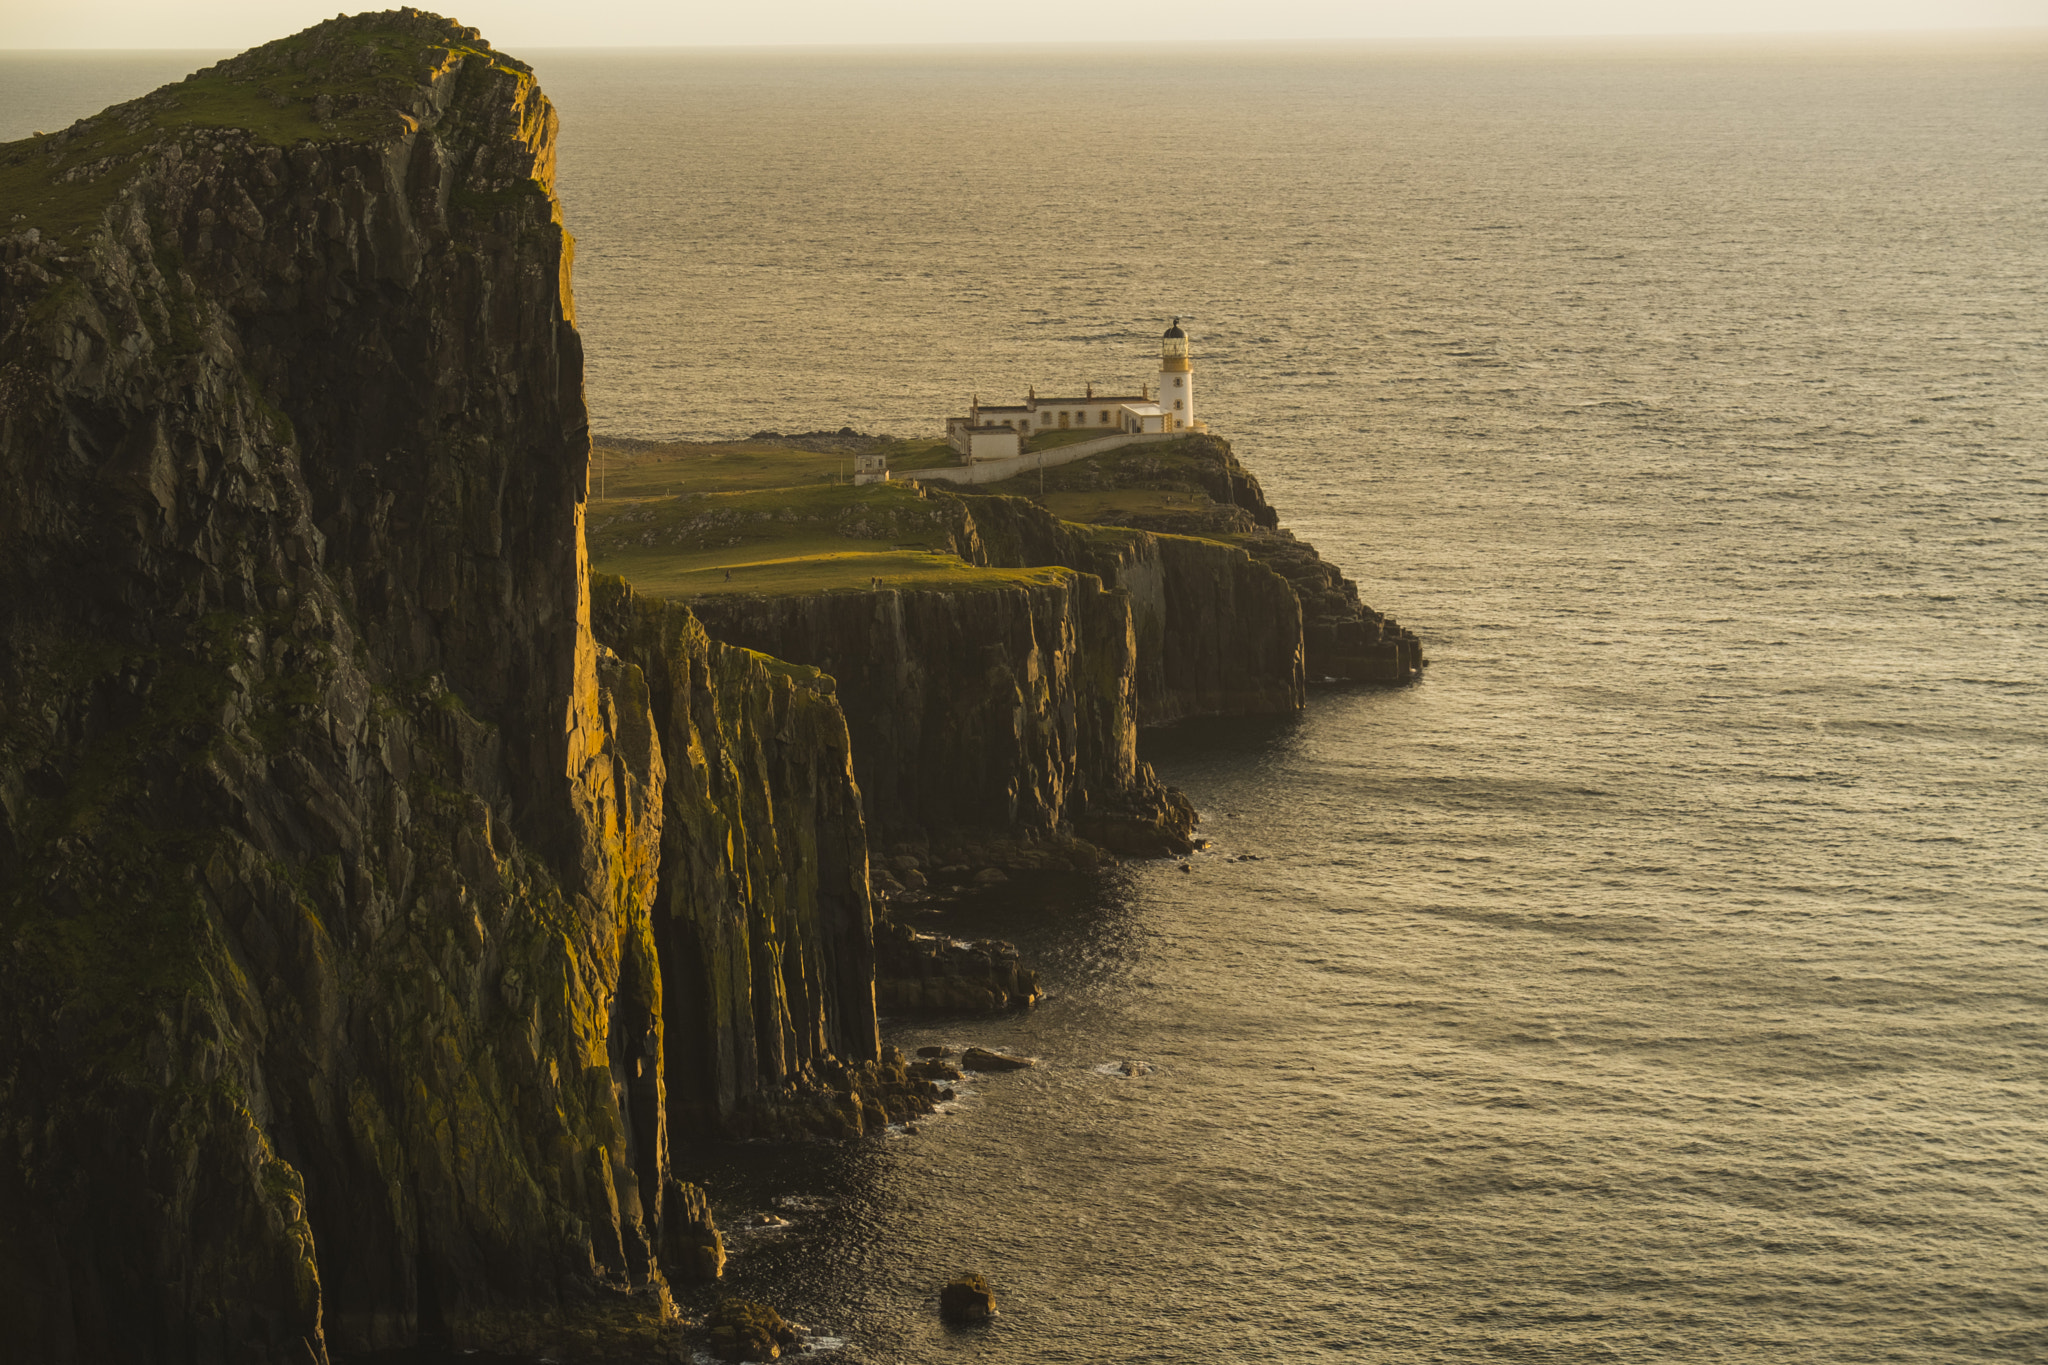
x: 352, y: 83
x: 691, y: 519
x: 697, y: 520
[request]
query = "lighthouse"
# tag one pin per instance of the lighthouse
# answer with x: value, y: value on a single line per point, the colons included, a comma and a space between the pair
x: 1176, y: 378
x: 1000, y: 431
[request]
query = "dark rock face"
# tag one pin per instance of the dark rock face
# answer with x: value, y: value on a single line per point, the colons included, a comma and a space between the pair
x: 967, y: 1299
x: 1341, y: 636
x: 1218, y: 648
x: 368, y: 931
x: 1229, y: 633
x: 739, y: 1329
x: 1216, y: 632
x: 1010, y: 709
x: 691, y: 1246
x: 761, y: 928
x: 924, y: 972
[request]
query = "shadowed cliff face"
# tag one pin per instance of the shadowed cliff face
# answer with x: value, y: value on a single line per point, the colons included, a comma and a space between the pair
x: 332, y: 986
x: 1007, y: 710
x: 762, y: 927
x: 1216, y: 632
x: 1212, y: 639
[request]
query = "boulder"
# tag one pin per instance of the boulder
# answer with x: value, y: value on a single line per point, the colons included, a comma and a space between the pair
x: 743, y: 1330
x: 981, y: 1059
x: 917, y: 971
x: 967, y: 1299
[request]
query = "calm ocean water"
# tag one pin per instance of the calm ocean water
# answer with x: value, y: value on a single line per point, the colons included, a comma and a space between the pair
x: 1660, y: 980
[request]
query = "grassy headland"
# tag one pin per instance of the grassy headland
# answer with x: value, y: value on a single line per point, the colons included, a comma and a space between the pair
x: 692, y: 519
x: 351, y: 81
x: 695, y: 519
x: 1174, y: 486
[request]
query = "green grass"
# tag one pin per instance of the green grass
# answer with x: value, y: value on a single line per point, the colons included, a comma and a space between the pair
x: 1052, y: 440
x: 920, y: 454
x: 817, y: 566
x: 61, y: 183
x: 689, y: 520
x: 1101, y: 505
x: 748, y: 521
x: 1155, y: 467
x: 693, y: 467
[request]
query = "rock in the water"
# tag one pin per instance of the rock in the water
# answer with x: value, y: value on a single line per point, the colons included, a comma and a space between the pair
x: 981, y: 1059
x: 916, y: 971
x: 989, y: 876
x: 932, y: 1050
x: 967, y: 1299
x: 743, y: 1330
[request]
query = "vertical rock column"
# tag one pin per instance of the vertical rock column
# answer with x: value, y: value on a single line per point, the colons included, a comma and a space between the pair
x: 762, y: 923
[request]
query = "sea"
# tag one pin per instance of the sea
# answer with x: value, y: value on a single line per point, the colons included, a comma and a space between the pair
x: 1661, y: 978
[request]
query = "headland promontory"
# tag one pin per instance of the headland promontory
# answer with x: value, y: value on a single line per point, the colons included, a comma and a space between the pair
x: 412, y: 847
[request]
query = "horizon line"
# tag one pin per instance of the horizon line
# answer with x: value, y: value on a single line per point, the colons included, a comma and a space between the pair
x: 1320, y: 42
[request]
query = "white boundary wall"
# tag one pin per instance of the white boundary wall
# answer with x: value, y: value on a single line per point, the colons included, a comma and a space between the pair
x: 995, y: 471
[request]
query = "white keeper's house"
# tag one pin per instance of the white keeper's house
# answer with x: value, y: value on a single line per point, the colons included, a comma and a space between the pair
x: 995, y: 432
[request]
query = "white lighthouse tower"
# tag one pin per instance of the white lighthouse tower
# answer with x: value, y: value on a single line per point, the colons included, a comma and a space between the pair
x: 1176, y: 379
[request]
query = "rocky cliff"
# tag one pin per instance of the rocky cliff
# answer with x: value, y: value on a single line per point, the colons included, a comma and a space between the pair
x: 1217, y: 633
x: 368, y: 932
x: 1008, y: 709
x: 1195, y: 488
x: 1005, y: 705
x: 384, y: 903
x: 761, y: 932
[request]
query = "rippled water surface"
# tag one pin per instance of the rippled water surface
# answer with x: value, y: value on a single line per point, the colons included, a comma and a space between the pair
x: 1660, y: 980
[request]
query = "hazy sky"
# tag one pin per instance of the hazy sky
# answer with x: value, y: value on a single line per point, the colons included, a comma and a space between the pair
x: 513, y: 24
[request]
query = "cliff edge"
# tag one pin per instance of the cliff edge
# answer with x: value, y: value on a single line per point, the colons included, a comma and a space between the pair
x: 368, y: 931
